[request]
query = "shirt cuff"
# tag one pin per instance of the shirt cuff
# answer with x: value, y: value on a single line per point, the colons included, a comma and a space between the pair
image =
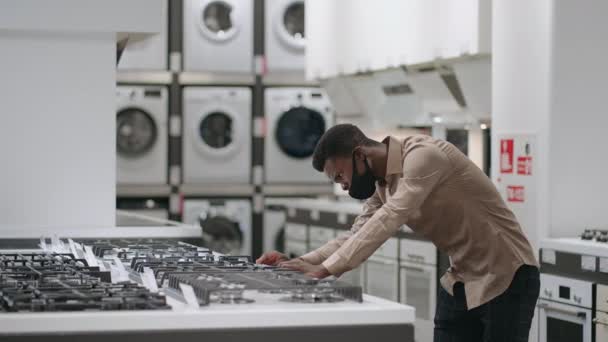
x: 335, y: 264
x: 314, y: 258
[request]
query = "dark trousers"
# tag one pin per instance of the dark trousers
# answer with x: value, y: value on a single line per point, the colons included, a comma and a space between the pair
x: 505, y: 318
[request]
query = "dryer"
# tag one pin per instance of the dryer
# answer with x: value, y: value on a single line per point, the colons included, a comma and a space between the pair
x: 285, y: 35
x: 296, y: 119
x: 226, y: 223
x: 150, y: 53
x: 217, y: 137
x: 141, y: 135
x: 218, y: 35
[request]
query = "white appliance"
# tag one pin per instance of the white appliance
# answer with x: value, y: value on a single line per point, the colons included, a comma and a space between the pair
x: 319, y: 236
x: 565, y: 309
x: 382, y: 271
x: 218, y: 35
x: 418, y: 284
x: 149, y: 53
x: 296, y: 119
x: 285, y: 35
x: 226, y: 223
x: 274, y: 225
x: 296, y: 239
x: 141, y: 135
x: 217, y: 137
x: 601, y: 315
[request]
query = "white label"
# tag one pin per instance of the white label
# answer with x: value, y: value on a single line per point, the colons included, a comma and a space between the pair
x: 291, y: 212
x: 588, y: 263
x: 175, y: 61
x: 175, y: 202
x: 149, y: 279
x: 73, y: 248
x: 258, y: 204
x: 314, y: 215
x: 175, y: 126
x: 604, y: 265
x: 189, y: 296
x: 90, y: 257
x: 259, y: 127
x: 56, y: 244
x: 548, y: 256
x: 342, y: 217
x: 123, y: 275
x: 43, y: 245
x: 258, y: 175
x: 175, y: 175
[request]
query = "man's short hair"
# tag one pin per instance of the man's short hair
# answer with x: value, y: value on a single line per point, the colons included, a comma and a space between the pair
x: 338, y: 141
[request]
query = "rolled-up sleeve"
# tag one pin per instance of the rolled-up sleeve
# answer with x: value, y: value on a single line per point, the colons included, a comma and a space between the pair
x: 319, y: 255
x: 424, y: 168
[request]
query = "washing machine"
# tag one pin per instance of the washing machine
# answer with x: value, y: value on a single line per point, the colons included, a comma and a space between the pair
x: 296, y: 119
x: 218, y: 35
x: 217, y: 137
x: 226, y: 223
x: 141, y: 135
x: 275, y: 216
x: 285, y: 35
x: 150, y: 53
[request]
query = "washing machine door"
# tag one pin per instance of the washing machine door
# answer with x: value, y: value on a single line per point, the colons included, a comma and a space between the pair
x: 222, y: 234
x: 136, y: 132
x: 217, y: 21
x: 298, y: 130
x: 289, y: 24
x: 218, y: 133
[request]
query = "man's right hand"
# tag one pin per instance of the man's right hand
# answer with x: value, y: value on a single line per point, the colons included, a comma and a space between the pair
x: 272, y: 258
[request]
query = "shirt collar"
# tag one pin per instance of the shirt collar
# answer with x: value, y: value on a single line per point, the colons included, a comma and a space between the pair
x: 393, y: 162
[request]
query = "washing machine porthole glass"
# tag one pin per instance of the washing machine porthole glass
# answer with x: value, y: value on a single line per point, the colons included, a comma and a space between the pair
x: 136, y: 132
x: 293, y: 19
x: 298, y: 131
x: 217, y: 17
x: 216, y: 130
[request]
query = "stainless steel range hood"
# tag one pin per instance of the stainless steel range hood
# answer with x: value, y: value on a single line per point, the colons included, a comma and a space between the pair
x: 400, y: 73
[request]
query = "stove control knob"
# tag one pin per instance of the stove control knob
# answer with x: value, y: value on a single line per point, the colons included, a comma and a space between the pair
x: 548, y: 293
x: 577, y: 299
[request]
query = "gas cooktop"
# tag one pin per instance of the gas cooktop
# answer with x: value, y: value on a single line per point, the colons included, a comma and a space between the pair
x: 60, y: 282
x: 596, y: 235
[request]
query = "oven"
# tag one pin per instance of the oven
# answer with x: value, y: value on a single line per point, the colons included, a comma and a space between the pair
x: 565, y: 310
x: 418, y: 284
x: 601, y: 315
x: 382, y: 271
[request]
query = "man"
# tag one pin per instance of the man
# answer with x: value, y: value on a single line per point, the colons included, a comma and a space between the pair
x: 490, y: 291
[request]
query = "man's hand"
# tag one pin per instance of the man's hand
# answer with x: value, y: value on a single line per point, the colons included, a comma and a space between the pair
x: 314, y: 271
x: 272, y: 258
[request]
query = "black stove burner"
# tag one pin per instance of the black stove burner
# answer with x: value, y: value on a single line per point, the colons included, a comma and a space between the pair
x: 595, y: 234
x: 60, y: 282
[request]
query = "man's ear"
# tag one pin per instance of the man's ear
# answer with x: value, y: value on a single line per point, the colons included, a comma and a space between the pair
x: 358, y: 153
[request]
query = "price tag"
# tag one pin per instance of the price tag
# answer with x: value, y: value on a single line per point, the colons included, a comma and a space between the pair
x: 315, y: 215
x: 43, y: 245
x: 189, y: 296
x: 149, y: 279
x: 342, y: 217
x: 588, y: 263
x: 548, y: 256
x: 90, y: 257
x: 604, y: 265
x: 56, y: 244
x: 123, y: 275
x: 73, y: 249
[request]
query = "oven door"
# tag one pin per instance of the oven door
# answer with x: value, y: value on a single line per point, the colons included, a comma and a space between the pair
x: 382, y: 278
x: 418, y: 288
x: 563, y: 323
x: 601, y: 326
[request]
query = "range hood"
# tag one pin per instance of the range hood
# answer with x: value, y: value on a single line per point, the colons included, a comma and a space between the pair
x: 400, y: 73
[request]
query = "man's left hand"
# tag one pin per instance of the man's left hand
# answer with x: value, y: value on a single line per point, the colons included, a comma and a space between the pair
x: 314, y: 271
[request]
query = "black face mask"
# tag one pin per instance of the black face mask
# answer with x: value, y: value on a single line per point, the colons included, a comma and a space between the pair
x: 362, y: 186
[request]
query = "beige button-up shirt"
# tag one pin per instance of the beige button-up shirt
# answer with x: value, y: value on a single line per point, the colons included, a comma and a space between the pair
x: 439, y: 193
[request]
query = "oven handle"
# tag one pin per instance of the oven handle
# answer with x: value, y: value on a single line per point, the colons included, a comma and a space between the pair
x: 579, y: 314
x: 598, y: 321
